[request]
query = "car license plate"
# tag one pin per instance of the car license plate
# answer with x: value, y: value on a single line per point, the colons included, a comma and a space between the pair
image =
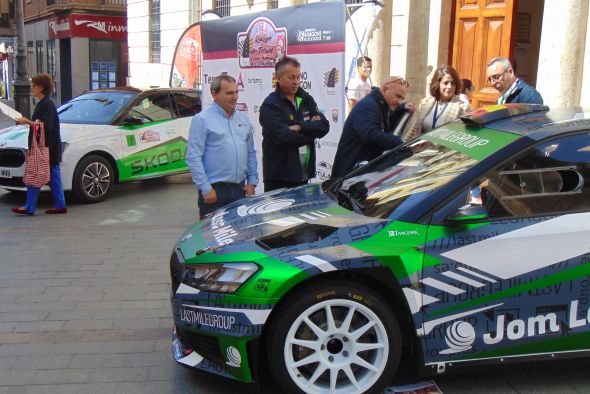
x: 5, y: 173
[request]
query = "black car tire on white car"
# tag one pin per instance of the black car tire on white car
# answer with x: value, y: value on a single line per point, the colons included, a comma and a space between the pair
x: 336, y: 337
x: 93, y: 179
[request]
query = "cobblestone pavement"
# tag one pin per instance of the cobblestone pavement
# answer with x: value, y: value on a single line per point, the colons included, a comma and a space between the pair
x: 84, y: 303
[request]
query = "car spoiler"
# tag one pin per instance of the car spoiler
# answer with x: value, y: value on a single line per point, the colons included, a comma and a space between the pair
x: 482, y: 116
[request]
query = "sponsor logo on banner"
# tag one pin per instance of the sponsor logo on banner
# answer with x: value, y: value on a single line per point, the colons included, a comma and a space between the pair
x: 331, y: 79
x: 309, y: 35
x: 242, y: 107
x: 208, y: 78
x: 305, y: 82
x: 323, y: 170
x: 189, y: 49
x: 240, y: 83
x: 334, y: 115
x: 262, y: 44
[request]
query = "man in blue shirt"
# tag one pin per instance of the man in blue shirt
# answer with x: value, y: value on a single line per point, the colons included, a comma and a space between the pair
x: 220, y: 152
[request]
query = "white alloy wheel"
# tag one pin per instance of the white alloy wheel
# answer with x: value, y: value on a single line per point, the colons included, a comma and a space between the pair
x: 336, y: 346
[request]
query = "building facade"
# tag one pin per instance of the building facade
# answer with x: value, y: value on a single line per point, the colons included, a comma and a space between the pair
x: 81, y: 43
x: 549, y: 40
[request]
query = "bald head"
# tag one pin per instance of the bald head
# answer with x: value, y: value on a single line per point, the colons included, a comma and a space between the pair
x: 394, y: 90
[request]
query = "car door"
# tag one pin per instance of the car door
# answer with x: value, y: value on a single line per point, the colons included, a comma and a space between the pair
x: 150, y: 136
x: 188, y: 104
x: 508, y: 271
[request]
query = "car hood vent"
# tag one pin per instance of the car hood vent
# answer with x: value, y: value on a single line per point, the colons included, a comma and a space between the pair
x: 303, y: 233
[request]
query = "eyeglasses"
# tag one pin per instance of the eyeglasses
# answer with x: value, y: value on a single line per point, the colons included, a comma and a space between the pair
x: 399, y: 80
x: 496, y: 77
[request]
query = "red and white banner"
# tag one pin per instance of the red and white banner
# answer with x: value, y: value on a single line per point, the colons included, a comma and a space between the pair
x: 90, y: 26
x: 247, y: 48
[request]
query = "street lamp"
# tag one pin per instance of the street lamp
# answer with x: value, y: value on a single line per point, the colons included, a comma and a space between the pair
x: 22, y: 85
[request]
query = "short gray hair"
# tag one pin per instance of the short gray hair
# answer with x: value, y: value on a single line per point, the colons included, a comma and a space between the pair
x: 502, y: 60
x: 216, y: 82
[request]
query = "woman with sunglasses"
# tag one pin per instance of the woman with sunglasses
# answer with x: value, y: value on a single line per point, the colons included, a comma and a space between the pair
x: 443, y: 105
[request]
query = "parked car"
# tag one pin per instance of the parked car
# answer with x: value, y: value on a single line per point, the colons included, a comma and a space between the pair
x: 469, y: 245
x: 111, y: 135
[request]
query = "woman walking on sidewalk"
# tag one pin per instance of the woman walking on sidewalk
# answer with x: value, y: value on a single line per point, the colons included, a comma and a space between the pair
x: 45, y: 111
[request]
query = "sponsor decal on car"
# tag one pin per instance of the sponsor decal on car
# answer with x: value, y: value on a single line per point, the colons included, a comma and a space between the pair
x: 149, y: 136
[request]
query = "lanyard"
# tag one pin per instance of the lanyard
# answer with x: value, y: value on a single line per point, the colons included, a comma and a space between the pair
x: 436, y: 117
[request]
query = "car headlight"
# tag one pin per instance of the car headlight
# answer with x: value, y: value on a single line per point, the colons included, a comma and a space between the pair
x: 222, y: 278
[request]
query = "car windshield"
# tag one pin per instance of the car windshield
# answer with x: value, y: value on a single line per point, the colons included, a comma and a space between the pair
x: 401, y: 178
x: 95, y: 107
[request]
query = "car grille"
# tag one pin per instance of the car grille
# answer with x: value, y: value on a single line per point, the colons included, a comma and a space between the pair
x: 205, y: 345
x: 176, y: 269
x: 12, y: 182
x: 12, y: 158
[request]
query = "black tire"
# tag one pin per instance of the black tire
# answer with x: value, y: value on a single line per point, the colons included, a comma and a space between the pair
x: 334, y: 352
x: 93, y: 179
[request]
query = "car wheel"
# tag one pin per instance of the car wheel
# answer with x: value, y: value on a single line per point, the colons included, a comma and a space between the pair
x: 93, y: 179
x: 335, y: 338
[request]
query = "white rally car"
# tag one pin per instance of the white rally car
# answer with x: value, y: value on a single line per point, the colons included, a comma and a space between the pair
x: 111, y: 135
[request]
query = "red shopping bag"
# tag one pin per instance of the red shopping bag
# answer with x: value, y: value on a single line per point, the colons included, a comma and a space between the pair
x: 37, y: 159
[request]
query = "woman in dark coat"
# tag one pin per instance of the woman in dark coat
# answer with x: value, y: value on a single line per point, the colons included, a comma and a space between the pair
x: 45, y: 111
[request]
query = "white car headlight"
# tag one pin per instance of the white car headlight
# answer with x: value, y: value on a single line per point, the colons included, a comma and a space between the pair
x: 222, y: 278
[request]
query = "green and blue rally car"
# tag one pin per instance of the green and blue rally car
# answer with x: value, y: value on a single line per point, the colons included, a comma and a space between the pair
x: 468, y: 245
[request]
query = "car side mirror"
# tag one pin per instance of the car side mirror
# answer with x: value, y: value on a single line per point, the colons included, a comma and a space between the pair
x: 468, y: 213
x: 132, y: 121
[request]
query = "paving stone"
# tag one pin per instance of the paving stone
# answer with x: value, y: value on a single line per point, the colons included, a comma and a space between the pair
x: 42, y: 361
x: 62, y: 376
x: 119, y: 375
x: 97, y: 361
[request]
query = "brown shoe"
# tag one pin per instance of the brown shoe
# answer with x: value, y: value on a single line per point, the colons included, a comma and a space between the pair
x: 21, y: 211
x: 52, y: 211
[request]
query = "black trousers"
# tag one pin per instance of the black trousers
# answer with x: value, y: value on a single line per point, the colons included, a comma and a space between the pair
x: 274, y: 185
x: 226, y: 193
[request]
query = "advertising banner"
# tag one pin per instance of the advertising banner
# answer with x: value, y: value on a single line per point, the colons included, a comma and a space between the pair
x: 247, y: 48
x: 90, y: 26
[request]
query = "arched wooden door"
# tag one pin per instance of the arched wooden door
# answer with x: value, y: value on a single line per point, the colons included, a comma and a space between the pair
x: 483, y: 30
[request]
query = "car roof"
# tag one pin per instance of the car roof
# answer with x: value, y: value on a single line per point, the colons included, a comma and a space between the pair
x: 534, y: 121
x: 140, y: 90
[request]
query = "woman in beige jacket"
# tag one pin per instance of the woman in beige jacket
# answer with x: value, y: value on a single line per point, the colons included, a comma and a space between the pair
x: 443, y: 105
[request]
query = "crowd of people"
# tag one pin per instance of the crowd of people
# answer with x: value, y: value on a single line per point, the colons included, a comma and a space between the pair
x: 221, y: 154
x: 291, y: 122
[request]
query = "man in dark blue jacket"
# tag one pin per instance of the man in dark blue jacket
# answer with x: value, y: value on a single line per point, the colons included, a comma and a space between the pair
x: 291, y: 121
x: 501, y: 75
x: 367, y: 130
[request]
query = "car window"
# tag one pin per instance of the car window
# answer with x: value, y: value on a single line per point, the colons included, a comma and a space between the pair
x: 551, y: 178
x: 153, y: 108
x: 95, y: 107
x: 188, y: 103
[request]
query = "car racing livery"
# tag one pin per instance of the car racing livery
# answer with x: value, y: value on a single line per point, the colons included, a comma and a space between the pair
x: 468, y: 244
x: 111, y: 135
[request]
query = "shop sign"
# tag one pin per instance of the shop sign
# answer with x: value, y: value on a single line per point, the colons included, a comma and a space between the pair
x: 90, y: 26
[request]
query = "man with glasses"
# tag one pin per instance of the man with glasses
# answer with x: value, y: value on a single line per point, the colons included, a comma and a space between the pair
x: 367, y: 129
x: 501, y: 75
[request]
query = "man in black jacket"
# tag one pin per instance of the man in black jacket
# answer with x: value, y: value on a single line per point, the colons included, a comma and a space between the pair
x: 291, y: 121
x: 367, y: 130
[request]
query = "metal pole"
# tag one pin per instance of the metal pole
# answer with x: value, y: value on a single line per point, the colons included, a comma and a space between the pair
x: 22, y: 85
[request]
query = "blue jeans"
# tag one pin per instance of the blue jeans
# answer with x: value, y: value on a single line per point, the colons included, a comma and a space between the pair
x: 226, y: 193
x: 56, y: 189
